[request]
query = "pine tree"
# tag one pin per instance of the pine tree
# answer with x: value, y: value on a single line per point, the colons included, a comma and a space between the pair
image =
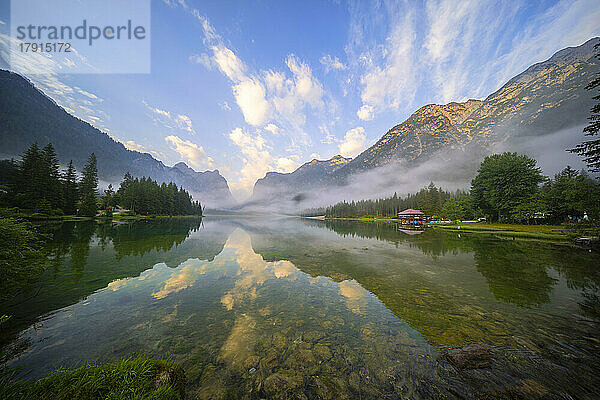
x: 52, y: 189
x: 29, y: 180
x: 70, y: 190
x: 88, y: 188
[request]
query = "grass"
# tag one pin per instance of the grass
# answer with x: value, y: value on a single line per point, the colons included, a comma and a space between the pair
x: 554, y: 232
x: 134, y: 378
x: 549, y: 232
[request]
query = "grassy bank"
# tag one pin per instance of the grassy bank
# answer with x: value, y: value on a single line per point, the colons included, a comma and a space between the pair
x: 550, y: 232
x: 135, y: 378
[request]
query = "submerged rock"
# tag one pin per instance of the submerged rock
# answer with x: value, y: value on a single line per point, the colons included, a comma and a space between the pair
x: 280, y: 385
x: 470, y: 356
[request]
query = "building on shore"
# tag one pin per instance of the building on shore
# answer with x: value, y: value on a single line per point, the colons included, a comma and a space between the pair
x: 412, y: 217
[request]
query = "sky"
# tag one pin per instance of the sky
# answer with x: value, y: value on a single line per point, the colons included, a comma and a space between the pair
x: 248, y: 87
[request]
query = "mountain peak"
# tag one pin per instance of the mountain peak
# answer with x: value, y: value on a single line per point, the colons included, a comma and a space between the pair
x: 181, y: 166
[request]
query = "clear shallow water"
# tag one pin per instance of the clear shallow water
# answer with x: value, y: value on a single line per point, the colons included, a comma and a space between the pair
x: 285, y: 307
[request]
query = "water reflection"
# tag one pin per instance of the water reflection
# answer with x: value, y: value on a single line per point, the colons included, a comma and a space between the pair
x: 318, y: 307
x: 241, y: 324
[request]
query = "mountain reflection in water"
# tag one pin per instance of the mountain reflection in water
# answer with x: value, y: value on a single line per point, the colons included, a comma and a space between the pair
x: 324, y: 309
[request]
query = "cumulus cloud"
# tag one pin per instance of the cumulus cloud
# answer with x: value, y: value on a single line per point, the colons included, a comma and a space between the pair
x: 332, y: 63
x: 257, y: 161
x: 353, y: 143
x: 266, y: 96
x: 190, y: 151
x: 250, y: 97
x: 365, y: 112
x: 284, y: 164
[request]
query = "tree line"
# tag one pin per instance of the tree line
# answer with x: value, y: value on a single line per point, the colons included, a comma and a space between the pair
x: 508, y: 187
x: 146, y: 197
x: 36, y: 184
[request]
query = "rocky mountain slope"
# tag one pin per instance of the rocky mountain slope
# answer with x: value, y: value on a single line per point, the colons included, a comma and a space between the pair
x: 27, y: 115
x: 546, y: 98
x: 311, y: 174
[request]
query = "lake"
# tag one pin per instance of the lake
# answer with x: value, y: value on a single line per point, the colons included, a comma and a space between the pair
x: 256, y: 307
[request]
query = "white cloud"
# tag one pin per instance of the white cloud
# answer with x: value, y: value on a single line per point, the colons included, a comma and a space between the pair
x: 328, y: 138
x: 202, y: 59
x: 392, y: 80
x: 225, y: 106
x: 43, y: 71
x: 257, y: 161
x: 131, y: 145
x: 332, y: 63
x: 353, y: 143
x: 274, y: 129
x: 365, y: 112
x: 228, y: 63
x: 267, y: 96
x: 190, y: 152
x: 170, y: 120
x: 256, y: 158
x: 250, y: 97
x: 184, y: 122
x: 283, y: 164
x: 307, y: 87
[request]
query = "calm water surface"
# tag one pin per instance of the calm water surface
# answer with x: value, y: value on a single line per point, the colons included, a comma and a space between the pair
x: 290, y: 308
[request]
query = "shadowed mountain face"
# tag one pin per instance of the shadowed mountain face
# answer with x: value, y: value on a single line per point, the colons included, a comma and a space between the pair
x: 27, y: 115
x: 546, y: 98
x: 313, y: 173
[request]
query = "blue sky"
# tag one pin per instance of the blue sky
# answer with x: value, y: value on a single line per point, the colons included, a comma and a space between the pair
x: 247, y: 87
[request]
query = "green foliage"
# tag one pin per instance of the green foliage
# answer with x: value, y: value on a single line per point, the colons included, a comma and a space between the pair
x: 572, y: 194
x: 134, y: 378
x: 452, y: 210
x: 88, y: 188
x: 21, y: 256
x: 590, y: 149
x: 146, y: 197
x: 503, y: 182
x: 429, y: 200
x: 70, y: 189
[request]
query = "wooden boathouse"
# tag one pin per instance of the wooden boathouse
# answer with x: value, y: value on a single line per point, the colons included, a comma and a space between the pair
x: 412, y: 217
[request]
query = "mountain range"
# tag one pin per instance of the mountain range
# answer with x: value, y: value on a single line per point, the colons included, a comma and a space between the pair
x: 544, y: 105
x: 27, y: 115
x: 546, y: 98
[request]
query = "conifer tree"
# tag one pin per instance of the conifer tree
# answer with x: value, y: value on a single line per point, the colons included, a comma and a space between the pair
x: 88, y: 187
x: 70, y: 190
x: 52, y: 189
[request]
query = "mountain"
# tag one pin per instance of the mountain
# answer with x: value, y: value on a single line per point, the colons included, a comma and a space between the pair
x: 27, y: 115
x: 547, y: 99
x: 313, y: 173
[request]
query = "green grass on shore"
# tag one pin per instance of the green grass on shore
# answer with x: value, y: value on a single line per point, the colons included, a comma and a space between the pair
x: 134, y: 378
x: 550, y: 232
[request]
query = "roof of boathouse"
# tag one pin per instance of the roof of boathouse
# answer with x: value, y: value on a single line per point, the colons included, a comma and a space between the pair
x: 410, y: 211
